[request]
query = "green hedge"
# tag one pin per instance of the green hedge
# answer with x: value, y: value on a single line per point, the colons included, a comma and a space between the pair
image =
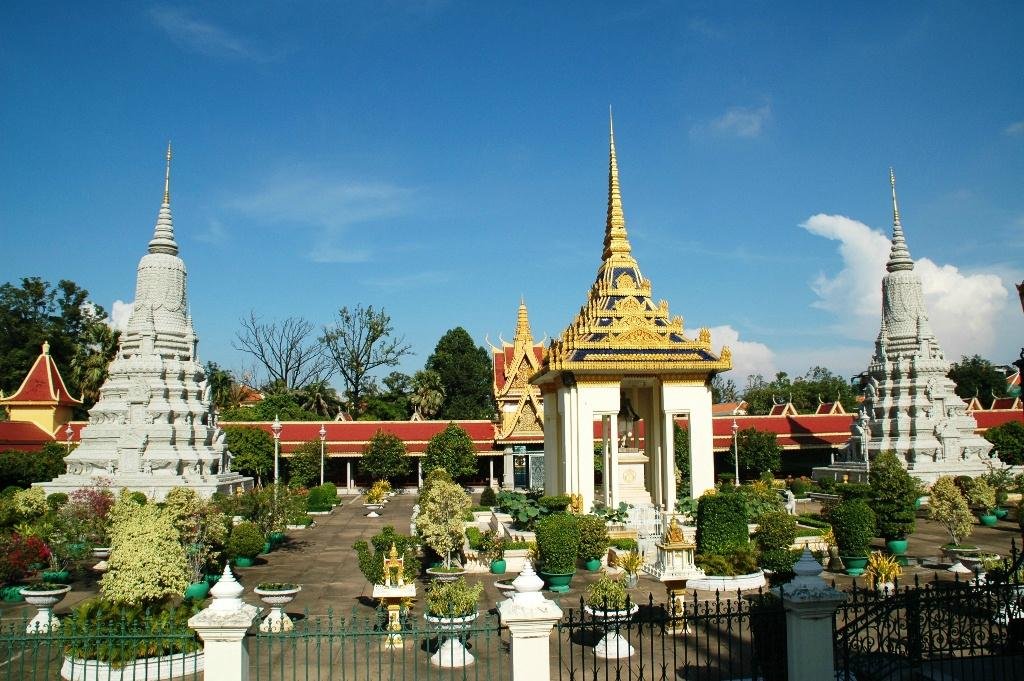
x: 624, y: 544
x: 853, y: 523
x: 475, y: 538
x: 721, y: 523
x: 558, y: 540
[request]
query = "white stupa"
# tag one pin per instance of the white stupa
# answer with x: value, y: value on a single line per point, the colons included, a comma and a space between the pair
x: 153, y: 427
x: 910, y: 404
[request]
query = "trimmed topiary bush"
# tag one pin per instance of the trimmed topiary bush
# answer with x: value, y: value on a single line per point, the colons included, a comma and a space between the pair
x: 555, y: 504
x: 558, y: 539
x: 853, y: 523
x: 246, y: 541
x: 488, y: 497
x: 775, y: 535
x: 371, y: 564
x: 721, y: 523
x: 893, y: 497
x: 593, y: 537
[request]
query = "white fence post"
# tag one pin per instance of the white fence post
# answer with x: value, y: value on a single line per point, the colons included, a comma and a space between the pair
x: 529, y: 618
x: 222, y: 626
x: 810, y: 605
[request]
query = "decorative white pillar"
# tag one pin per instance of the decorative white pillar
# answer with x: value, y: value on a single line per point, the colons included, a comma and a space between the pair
x: 613, y: 459
x: 490, y: 476
x: 529, y: 618
x: 606, y: 461
x: 348, y: 475
x: 810, y: 605
x: 419, y: 472
x: 222, y: 628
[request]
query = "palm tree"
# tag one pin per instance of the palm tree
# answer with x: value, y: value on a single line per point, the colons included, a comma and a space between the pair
x: 320, y: 398
x: 92, y: 357
x: 427, y: 393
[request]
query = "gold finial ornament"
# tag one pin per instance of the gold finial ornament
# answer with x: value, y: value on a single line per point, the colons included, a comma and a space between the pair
x: 615, y: 238
x: 167, y: 176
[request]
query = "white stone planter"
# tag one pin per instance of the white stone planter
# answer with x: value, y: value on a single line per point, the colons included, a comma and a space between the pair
x: 374, y: 510
x: 101, y: 553
x: 318, y: 512
x: 277, y: 620
x: 754, y: 580
x: 44, y: 599
x: 515, y: 560
x: 451, y: 653
x: 149, y: 668
x: 612, y: 645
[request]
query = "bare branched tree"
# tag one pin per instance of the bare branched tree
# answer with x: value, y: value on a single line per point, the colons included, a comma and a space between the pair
x: 287, y: 350
x: 360, y: 342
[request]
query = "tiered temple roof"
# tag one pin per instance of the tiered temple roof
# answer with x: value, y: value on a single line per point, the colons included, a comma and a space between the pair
x: 520, y: 409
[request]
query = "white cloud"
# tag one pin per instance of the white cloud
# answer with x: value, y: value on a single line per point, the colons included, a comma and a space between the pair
x: 1015, y: 129
x: 202, y: 37
x: 748, y: 357
x: 120, y: 311
x: 737, y: 121
x: 216, y: 233
x: 964, y: 308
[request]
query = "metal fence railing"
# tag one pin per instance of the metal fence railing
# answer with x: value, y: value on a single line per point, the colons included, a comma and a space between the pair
x: 362, y: 647
x: 689, y: 639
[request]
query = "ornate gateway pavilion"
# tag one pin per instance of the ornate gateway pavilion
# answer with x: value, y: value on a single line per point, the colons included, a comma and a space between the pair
x: 624, y: 361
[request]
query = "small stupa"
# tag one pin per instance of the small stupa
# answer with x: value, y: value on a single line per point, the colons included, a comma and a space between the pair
x: 153, y: 428
x: 910, y: 404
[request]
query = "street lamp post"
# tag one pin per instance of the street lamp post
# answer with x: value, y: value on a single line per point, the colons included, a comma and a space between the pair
x: 323, y: 438
x: 735, y: 454
x: 70, y: 432
x: 276, y: 427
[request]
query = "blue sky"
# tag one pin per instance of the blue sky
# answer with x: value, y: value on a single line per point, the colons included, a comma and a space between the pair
x: 440, y: 159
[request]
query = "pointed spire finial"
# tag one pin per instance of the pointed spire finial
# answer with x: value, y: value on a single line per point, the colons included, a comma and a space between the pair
x: 899, y: 254
x: 167, y: 176
x: 615, y: 239
x: 163, y: 234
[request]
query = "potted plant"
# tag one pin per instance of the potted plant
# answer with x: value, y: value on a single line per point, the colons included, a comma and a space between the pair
x: 492, y: 547
x: 893, y: 498
x: 200, y: 526
x: 853, y: 523
x: 244, y: 543
x: 18, y: 553
x: 277, y: 595
x: 593, y: 541
x: 558, y: 539
x: 948, y: 506
x: 882, y: 571
x: 631, y: 563
x: 607, y: 600
x: 44, y: 595
x: 1001, y: 480
x: 982, y: 498
x: 371, y: 562
x: 451, y: 607
x: 440, y: 523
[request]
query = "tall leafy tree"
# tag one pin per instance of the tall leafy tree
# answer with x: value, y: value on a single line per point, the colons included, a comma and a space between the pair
x: 391, y: 403
x: 806, y: 392
x: 304, y: 465
x: 222, y: 386
x: 976, y: 376
x: 319, y: 398
x: 252, y: 450
x: 759, y: 452
x: 35, y: 312
x: 724, y: 390
x: 361, y: 341
x: 384, y: 457
x: 453, y: 450
x: 282, y: 405
x: 93, y: 354
x: 466, y: 375
x: 1008, y: 442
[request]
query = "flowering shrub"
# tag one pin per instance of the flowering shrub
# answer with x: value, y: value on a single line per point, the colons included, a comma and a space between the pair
x: 30, y: 503
x: 88, y: 509
x: 147, y: 561
x: 202, y: 528
x: 17, y: 555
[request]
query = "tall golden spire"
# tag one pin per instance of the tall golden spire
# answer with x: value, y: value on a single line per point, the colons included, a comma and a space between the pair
x: 615, y: 239
x: 899, y: 254
x: 167, y: 177
x: 523, y: 335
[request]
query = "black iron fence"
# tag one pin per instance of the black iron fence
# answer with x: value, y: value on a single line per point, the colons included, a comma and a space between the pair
x: 687, y: 639
x: 962, y: 629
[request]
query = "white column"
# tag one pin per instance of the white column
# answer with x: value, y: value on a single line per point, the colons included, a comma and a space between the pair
x: 419, y: 472
x: 613, y: 458
x: 222, y: 628
x: 606, y: 460
x: 490, y: 477
x: 348, y: 475
x: 810, y: 605
x: 529, y: 618
x: 508, y: 469
x: 668, y: 438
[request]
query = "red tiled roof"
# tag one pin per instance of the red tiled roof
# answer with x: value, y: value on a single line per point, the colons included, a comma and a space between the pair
x: 1006, y: 403
x: 349, y: 437
x: 23, y: 435
x: 43, y: 384
x: 728, y: 408
x: 990, y: 419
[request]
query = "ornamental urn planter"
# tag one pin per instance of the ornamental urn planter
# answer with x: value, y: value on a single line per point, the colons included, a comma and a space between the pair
x: 452, y: 652
x: 557, y: 581
x: 44, y: 597
x: 276, y: 538
x: 498, y: 566
x: 442, y: 574
x: 56, y: 576
x: 277, y: 596
x: 197, y: 591
x: 1001, y: 512
x: 988, y: 519
x: 897, y: 547
x: 593, y: 565
x: 101, y: 552
x: 855, y: 565
x: 374, y: 510
x: 243, y: 561
x: 632, y: 579
x: 612, y: 645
